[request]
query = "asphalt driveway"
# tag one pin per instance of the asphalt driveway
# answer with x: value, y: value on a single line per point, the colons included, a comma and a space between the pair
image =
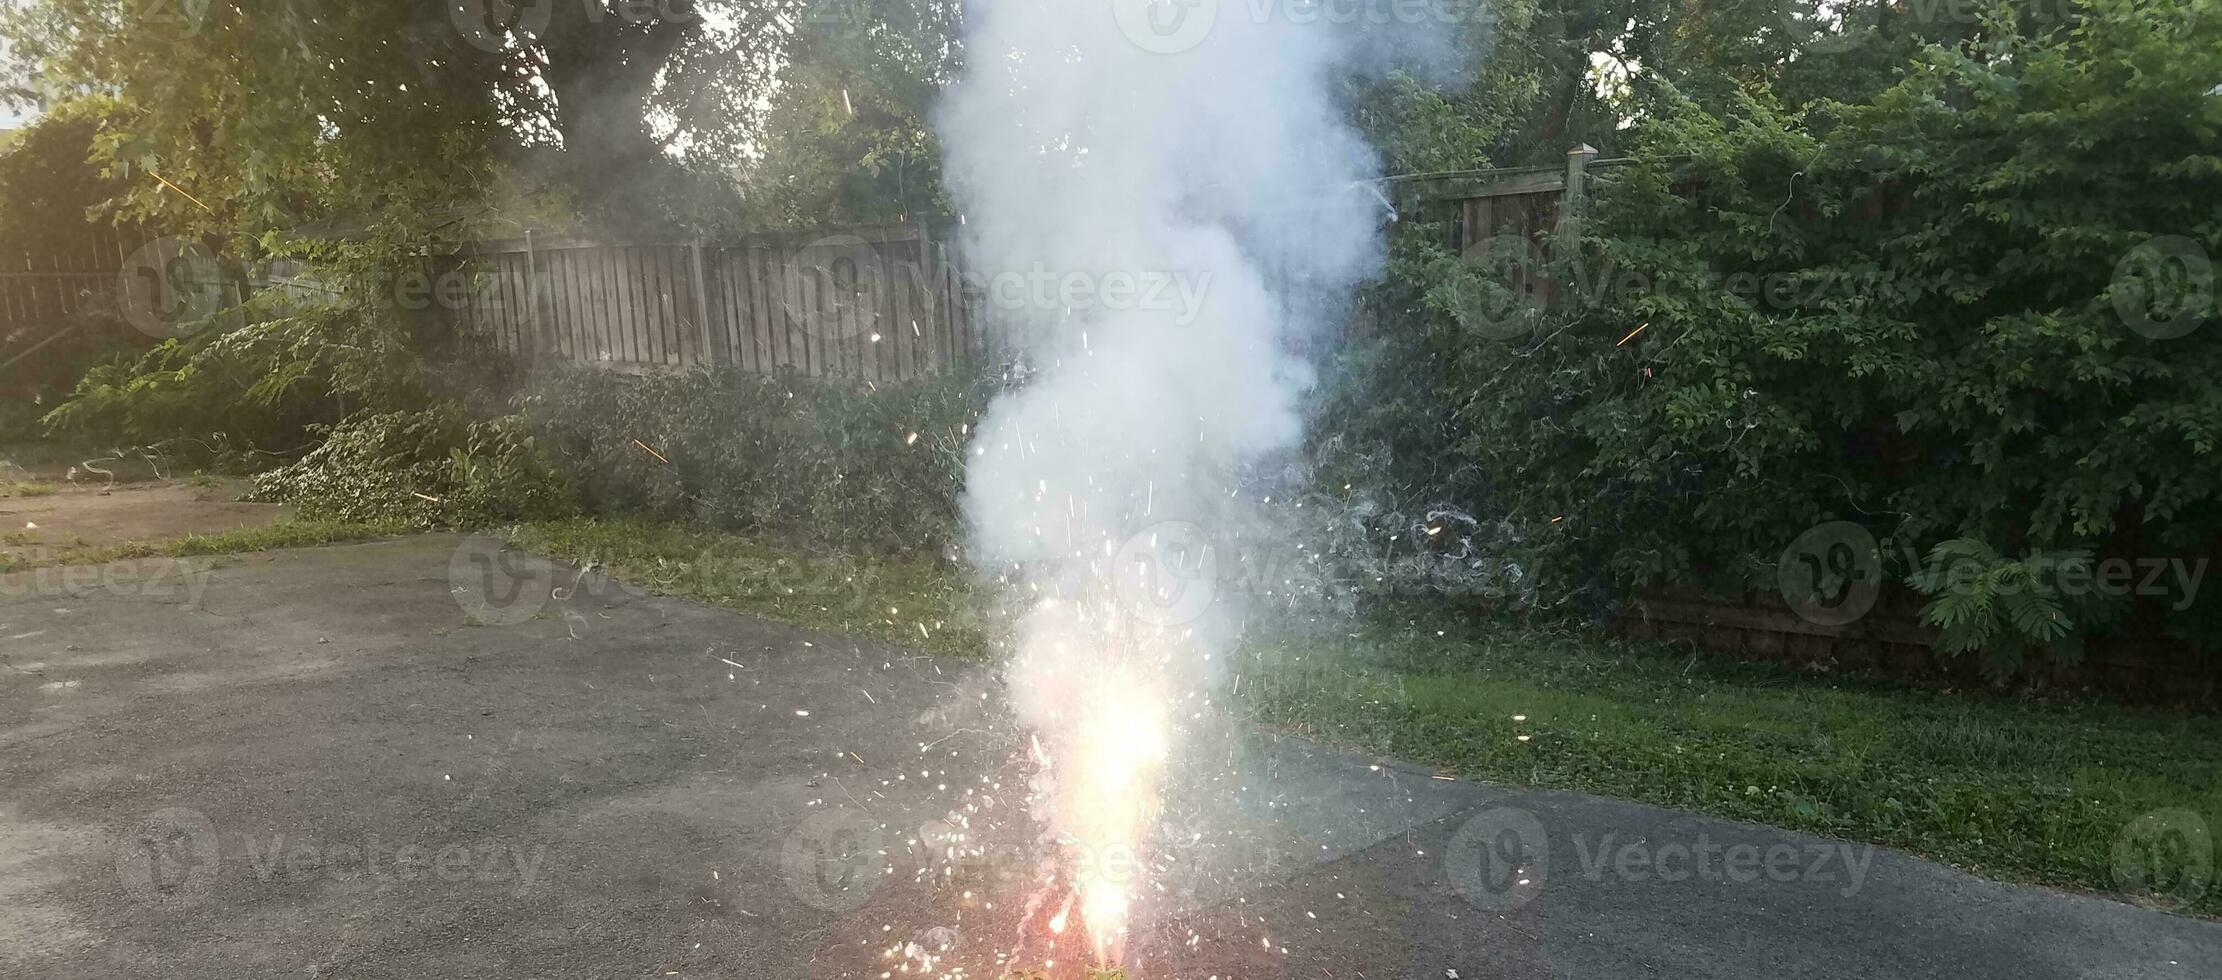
x: 430, y: 758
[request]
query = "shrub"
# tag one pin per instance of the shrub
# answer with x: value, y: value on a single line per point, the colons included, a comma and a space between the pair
x: 1944, y: 314
x: 427, y: 468
x: 873, y: 467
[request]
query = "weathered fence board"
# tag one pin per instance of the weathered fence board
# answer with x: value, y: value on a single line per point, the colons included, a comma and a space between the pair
x: 66, y: 279
x: 877, y: 304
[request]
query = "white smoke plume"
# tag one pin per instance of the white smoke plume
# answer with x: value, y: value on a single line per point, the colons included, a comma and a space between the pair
x: 1166, y: 186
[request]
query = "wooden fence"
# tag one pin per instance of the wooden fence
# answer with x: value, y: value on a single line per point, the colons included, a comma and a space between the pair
x: 1892, y: 641
x: 877, y: 304
x: 65, y: 279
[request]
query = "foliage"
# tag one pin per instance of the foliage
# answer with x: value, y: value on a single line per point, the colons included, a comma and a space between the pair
x: 422, y: 469
x: 49, y: 190
x: 259, y: 386
x: 276, y: 114
x: 1925, y: 313
x: 865, y: 467
x: 846, y: 139
x: 2007, y: 608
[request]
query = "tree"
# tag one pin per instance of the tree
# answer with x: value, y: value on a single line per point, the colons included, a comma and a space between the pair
x: 1978, y: 305
x: 847, y: 138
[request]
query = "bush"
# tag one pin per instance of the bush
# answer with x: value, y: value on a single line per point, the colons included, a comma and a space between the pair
x: 1944, y: 314
x: 423, y: 469
x: 31, y: 386
x: 869, y: 467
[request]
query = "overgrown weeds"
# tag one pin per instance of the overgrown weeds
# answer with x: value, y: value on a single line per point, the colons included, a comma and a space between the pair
x: 845, y: 467
x: 423, y: 469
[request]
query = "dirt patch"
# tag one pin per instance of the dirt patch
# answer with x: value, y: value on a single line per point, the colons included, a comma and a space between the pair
x: 55, y: 463
x: 55, y: 521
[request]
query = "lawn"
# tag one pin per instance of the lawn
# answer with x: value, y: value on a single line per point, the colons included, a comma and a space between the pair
x: 281, y: 534
x: 2010, y: 788
x: 923, y: 604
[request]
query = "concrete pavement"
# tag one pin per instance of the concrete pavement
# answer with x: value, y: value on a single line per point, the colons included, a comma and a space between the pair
x: 431, y: 758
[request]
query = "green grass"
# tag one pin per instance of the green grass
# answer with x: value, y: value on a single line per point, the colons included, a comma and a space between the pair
x: 2023, y: 790
x: 2035, y: 791
x: 921, y: 604
x: 283, y: 534
x: 15, y: 488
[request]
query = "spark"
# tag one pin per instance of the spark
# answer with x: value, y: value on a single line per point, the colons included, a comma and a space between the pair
x: 180, y: 190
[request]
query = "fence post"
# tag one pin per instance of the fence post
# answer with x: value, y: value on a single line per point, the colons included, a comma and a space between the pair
x: 1570, y: 205
x: 532, y: 299
x: 709, y: 355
